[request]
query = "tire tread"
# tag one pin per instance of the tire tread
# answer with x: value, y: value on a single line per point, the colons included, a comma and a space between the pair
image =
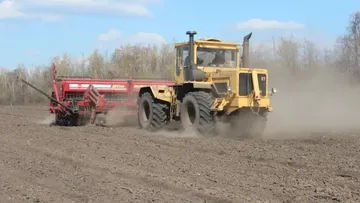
x: 159, y: 117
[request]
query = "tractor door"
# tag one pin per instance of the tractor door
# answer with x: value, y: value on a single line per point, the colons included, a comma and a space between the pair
x: 182, y: 61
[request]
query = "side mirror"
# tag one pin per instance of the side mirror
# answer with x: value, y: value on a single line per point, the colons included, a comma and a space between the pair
x: 273, y: 91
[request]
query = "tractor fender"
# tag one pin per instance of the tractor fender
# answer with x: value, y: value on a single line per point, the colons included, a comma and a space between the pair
x: 160, y: 92
x: 198, y: 85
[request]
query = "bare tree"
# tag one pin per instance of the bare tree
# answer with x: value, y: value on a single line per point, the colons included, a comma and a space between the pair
x: 294, y: 58
x: 288, y: 54
x: 97, y: 65
x: 348, y: 47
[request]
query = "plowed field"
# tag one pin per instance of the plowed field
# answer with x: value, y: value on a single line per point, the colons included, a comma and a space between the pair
x: 42, y: 163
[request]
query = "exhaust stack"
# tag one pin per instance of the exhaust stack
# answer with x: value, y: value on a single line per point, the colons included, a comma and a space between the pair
x: 189, y: 71
x: 246, y: 53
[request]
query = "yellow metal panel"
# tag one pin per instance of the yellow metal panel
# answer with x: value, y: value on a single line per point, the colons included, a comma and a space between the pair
x: 217, y: 44
x: 203, y: 85
x: 163, y: 92
x: 255, y: 80
x: 179, y: 79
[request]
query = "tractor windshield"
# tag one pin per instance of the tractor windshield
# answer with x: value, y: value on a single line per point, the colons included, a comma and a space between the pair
x: 216, y: 57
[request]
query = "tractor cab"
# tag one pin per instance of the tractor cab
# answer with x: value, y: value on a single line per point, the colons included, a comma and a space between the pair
x: 209, y: 52
x: 207, y: 56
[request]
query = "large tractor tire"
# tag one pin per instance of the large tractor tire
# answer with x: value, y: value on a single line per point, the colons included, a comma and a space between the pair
x: 152, y: 114
x: 68, y: 120
x: 196, y: 114
x: 248, y: 125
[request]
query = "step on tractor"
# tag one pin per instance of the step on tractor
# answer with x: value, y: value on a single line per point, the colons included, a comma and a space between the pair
x: 213, y: 83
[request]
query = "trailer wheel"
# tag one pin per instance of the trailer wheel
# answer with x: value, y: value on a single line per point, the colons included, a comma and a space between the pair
x: 196, y: 113
x: 152, y: 114
x: 57, y: 119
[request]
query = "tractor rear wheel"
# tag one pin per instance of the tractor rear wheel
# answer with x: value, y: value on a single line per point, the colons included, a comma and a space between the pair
x: 152, y: 114
x: 196, y: 113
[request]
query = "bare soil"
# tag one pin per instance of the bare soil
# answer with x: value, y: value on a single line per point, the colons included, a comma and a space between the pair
x: 42, y: 163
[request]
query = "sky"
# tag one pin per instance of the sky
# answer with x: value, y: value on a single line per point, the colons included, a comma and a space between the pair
x: 34, y: 31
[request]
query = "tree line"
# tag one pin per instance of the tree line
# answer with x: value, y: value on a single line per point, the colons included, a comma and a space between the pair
x: 295, y: 60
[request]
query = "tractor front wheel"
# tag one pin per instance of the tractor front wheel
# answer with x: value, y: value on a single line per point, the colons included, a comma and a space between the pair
x: 196, y: 113
x: 152, y: 114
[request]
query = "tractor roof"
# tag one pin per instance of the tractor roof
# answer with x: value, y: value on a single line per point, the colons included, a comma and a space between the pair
x: 212, y: 41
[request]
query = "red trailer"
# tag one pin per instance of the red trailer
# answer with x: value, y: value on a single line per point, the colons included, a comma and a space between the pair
x: 78, y: 100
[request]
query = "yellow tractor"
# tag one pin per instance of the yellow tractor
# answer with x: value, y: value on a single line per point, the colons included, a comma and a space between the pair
x: 213, y: 83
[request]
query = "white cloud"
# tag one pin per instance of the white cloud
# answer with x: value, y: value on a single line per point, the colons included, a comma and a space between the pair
x: 146, y: 38
x: 114, y: 36
x: 112, y: 40
x: 268, y: 24
x: 54, y: 9
x: 111, y: 35
x: 10, y: 9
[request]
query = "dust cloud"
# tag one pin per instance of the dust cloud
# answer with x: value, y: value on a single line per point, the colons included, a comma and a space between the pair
x: 120, y: 117
x: 324, y: 102
x: 178, y: 134
x: 48, y: 120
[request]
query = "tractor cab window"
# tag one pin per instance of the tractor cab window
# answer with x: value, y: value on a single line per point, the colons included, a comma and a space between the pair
x: 216, y: 57
x: 183, y: 53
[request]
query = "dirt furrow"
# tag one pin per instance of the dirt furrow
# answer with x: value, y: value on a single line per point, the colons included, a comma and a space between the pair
x: 40, y: 163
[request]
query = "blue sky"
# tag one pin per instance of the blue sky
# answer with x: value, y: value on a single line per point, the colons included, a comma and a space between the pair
x: 33, y: 31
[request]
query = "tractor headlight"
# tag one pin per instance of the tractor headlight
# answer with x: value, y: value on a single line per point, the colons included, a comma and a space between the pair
x: 229, y: 88
x: 273, y: 90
